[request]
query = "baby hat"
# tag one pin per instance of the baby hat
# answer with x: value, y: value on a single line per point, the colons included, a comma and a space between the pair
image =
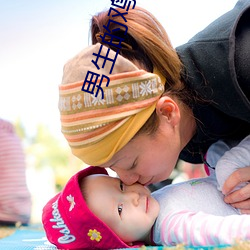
x: 98, y: 126
x: 69, y: 223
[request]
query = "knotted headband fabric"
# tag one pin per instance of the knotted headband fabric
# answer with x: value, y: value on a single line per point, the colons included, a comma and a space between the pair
x: 97, y: 128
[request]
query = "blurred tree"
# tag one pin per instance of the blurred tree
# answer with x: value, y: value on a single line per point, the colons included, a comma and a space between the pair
x: 20, y: 130
x: 45, y: 150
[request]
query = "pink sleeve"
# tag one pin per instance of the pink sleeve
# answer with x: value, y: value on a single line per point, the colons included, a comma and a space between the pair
x: 201, y: 229
x: 15, y: 200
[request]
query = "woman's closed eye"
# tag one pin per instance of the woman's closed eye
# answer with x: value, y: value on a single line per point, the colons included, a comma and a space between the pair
x: 121, y: 186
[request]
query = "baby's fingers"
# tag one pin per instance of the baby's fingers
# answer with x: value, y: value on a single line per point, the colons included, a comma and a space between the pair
x: 245, y: 211
x: 237, y: 177
x: 239, y: 198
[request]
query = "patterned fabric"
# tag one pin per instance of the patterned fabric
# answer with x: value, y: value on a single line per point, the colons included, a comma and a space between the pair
x: 15, y: 200
x: 32, y: 238
x: 97, y: 128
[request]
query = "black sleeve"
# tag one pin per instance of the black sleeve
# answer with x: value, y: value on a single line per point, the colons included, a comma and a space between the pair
x: 242, y: 53
x: 213, y: 67
x: 217, y: 66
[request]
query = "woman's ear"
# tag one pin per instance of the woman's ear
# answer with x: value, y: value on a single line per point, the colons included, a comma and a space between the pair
x: 168, y: 110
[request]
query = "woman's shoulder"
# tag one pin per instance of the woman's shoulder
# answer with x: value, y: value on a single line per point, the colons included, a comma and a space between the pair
x: 209, y: 65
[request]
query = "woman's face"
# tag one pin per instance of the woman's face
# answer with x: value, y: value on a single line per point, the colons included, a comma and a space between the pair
x: 147, y: 159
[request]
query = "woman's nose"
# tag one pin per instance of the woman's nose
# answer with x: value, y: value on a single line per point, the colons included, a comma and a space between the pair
x: 126, y: 177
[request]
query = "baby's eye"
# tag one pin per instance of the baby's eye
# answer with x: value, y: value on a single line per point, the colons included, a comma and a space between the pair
x: 121, y: 186
x: 120, y: 206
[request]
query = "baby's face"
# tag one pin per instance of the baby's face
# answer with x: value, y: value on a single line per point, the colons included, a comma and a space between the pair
x: 130, y: 211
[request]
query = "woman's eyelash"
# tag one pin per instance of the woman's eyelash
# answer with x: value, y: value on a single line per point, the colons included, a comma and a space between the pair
x: 121, y: 185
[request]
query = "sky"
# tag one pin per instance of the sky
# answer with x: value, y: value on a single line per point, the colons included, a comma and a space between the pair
x: 37, y: 37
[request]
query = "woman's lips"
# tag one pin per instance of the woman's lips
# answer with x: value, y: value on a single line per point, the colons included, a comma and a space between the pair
x: 148, y: 183
x: 147, y: 203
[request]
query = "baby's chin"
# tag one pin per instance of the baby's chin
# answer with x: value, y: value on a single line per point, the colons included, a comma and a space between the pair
x: 157, y: 206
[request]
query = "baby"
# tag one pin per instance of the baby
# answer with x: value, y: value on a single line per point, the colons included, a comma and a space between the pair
x: 96, y: 211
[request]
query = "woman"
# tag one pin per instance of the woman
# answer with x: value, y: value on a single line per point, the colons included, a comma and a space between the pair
x: 138, y: 124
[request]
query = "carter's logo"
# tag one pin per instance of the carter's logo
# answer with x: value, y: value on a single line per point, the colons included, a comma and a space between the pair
x: 67, y: 237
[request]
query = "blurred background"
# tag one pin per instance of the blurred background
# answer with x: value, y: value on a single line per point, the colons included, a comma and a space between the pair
x: 36, y: 39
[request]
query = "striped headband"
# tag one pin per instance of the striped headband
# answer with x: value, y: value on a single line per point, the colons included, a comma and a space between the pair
x: 97, y: 128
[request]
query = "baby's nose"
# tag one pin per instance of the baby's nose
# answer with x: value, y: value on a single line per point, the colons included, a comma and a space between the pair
x: 133, y: 197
